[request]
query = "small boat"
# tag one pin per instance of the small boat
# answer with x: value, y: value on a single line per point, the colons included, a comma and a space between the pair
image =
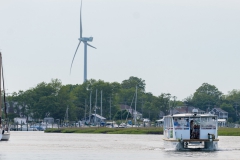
x: 122, y: 125
x: 191, y: 131
x: 4, y: 128
x: 111, y: 124
x: 5, y: 135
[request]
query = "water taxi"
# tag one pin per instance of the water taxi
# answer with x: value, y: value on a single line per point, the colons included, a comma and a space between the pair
x: 191, y: 131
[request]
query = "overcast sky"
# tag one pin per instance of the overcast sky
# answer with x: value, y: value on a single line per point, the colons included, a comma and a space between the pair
x: 173, y: 45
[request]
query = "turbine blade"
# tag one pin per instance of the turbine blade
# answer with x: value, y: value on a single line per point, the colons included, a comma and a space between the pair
x: 91, y: 46
x: 74, y: 56
x: 81, y: 20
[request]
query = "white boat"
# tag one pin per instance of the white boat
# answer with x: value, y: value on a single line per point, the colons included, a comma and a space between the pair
x: 5, y: 136
x: 122, y: 125
x: 191, y: 131
x: 111, y: 124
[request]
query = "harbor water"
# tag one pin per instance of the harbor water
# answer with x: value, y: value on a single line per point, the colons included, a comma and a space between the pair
x: 36, y: 145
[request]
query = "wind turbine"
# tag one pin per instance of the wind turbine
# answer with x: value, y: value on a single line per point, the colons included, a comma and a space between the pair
x: 85, y: 40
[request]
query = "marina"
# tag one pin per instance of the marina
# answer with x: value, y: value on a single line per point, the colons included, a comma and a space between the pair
x: 162, y: 84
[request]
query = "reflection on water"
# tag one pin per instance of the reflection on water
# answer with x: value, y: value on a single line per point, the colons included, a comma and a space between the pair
x: 39, y: 145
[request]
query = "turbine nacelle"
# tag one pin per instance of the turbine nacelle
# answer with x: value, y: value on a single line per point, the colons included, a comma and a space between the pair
x: 86, y: 39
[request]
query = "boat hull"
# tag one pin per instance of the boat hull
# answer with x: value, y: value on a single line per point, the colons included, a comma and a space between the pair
x: 191, y: 144
x: 5, y: 137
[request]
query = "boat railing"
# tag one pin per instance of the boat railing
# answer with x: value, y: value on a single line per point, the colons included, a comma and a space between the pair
x: 168, y: 132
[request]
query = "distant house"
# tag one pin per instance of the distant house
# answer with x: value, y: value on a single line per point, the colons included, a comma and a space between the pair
x: 132, y: 111
x: 48, y: 120
x: 96, y: 118
x: 185, y: 109
x: 222, y: 122
x: 20, y: 120
x: 220, y: 113
x: 125, y: 107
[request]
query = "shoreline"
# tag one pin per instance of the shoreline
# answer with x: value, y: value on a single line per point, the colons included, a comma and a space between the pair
x: 105, y: 130
x: 138, y: 130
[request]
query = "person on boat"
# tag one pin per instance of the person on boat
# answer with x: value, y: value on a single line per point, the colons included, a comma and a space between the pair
x: 187, y: 125
x: 191, y: 129
x: 176, y: 122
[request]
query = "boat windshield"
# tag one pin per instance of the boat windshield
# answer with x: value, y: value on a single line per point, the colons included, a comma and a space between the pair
x: 181, y: 122
x: 208, y: 122
x: 195, y: 122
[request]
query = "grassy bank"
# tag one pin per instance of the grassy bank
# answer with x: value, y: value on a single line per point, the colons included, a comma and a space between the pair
x: 229, y: 132
x: 152, y: 130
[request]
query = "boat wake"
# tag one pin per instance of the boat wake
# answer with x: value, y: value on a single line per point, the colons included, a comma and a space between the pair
x: 154, y: 149
x: 227, y: 149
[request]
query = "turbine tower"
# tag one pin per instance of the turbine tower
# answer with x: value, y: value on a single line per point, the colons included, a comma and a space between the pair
x: 85, y: 41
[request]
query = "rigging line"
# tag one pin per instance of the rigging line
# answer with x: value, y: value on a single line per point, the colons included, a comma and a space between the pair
x: 130, y: 106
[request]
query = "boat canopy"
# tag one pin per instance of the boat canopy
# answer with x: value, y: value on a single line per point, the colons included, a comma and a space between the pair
x: 191, y: 115
x: 160, y: 120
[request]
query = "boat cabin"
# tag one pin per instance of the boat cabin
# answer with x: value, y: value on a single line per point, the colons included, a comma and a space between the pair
x: 190, y: 126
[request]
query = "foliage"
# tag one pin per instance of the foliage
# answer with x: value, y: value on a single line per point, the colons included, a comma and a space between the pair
x: 122, y: 115
x: 206, y: 96
x: 52, y: 99
x: 132, y: 82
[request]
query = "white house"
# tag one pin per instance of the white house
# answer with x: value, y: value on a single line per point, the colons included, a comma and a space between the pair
x: 48, y: 120
x: 20, y: 120
x: 220, y: 113
x: 133, y: 112
x: 96, y: 118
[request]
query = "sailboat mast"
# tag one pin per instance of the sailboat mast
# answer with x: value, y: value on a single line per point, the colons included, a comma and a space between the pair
x: 110, y: 107
x: 95, y: 108
x: 101, y: 102
x: 4, y: 96
x: 135, y: 115
x: 90, y: 106
x: 0, y: 90
x: 85, y: 109
x: 96, y: 100
x: 67, y: 115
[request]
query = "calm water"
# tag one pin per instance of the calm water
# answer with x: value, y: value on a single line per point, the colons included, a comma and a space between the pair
x: 39, y: 145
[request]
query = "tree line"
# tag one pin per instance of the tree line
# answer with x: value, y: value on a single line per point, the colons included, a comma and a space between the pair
x: 53, y: 98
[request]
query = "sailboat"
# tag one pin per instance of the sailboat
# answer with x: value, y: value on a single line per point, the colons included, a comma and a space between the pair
x: 4, y: 128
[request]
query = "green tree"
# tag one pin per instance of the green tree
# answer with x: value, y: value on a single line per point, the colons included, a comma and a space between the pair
x: 132, y: 82
x: 206, y: 95
x: 228, y: 108
x: 232, y: 100
x: 122, y: 115
x: 164, y: 102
